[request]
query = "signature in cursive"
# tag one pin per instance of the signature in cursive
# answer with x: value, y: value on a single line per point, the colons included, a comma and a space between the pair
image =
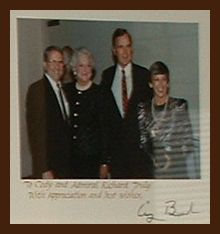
x: 170, y: 209
x: 143, y: 212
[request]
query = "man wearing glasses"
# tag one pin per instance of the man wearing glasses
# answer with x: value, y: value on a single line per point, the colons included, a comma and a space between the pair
x: 47, y: 120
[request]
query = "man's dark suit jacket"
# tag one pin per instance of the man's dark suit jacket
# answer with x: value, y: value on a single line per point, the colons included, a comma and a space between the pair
x: 122, y: 135
x: 49, y: 136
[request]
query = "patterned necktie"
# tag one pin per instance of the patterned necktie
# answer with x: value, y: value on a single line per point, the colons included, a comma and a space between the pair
x: 62, y: 102
x: 124, y: 93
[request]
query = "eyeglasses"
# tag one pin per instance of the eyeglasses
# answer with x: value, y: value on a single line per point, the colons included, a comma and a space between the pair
x: 56, y: 62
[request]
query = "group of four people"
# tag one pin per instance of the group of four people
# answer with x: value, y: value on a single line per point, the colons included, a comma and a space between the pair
x: 119, y: 129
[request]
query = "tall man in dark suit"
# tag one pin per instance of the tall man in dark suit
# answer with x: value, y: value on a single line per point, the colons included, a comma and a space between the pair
x: 125, y: 158
x: 47, y: 120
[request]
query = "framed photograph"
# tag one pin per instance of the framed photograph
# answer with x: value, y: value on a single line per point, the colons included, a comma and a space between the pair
x: 180, y: 39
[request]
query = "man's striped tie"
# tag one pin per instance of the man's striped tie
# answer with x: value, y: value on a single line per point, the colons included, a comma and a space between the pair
x: 124, y: 93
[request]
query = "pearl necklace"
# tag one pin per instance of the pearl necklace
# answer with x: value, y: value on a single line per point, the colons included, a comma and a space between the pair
x: 83, y: 87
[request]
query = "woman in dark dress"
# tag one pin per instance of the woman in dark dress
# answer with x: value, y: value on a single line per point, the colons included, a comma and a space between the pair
x: 165, y: 128
x: 85, y: 117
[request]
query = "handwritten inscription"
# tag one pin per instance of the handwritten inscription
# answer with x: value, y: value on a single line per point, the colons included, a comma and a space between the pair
x: 149, y: 211
x: 54, y: 190
x: 170, y: 209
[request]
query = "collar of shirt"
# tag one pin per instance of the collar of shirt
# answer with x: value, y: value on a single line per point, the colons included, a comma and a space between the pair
x: 56, y: 90
x: 127, y: 70
x: 52, y: 82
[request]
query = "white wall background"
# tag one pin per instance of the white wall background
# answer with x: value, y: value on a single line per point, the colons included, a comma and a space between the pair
x: 32, y: 38
x: 176, y: 44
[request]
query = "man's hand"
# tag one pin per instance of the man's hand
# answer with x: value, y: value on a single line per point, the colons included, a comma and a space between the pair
x: 104, y: 172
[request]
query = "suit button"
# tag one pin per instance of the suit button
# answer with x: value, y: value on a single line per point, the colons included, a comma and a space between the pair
x: 75, y: 126
x: 77, y: 103
x: 75, y: 114
x: 74, y: 137
x: 79, y: 92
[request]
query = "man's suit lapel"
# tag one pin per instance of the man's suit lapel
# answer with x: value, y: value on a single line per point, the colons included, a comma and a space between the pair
x: 135, y: 78
x: 53, y: 104
x: 111, y: 80
x: 112, y: 77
